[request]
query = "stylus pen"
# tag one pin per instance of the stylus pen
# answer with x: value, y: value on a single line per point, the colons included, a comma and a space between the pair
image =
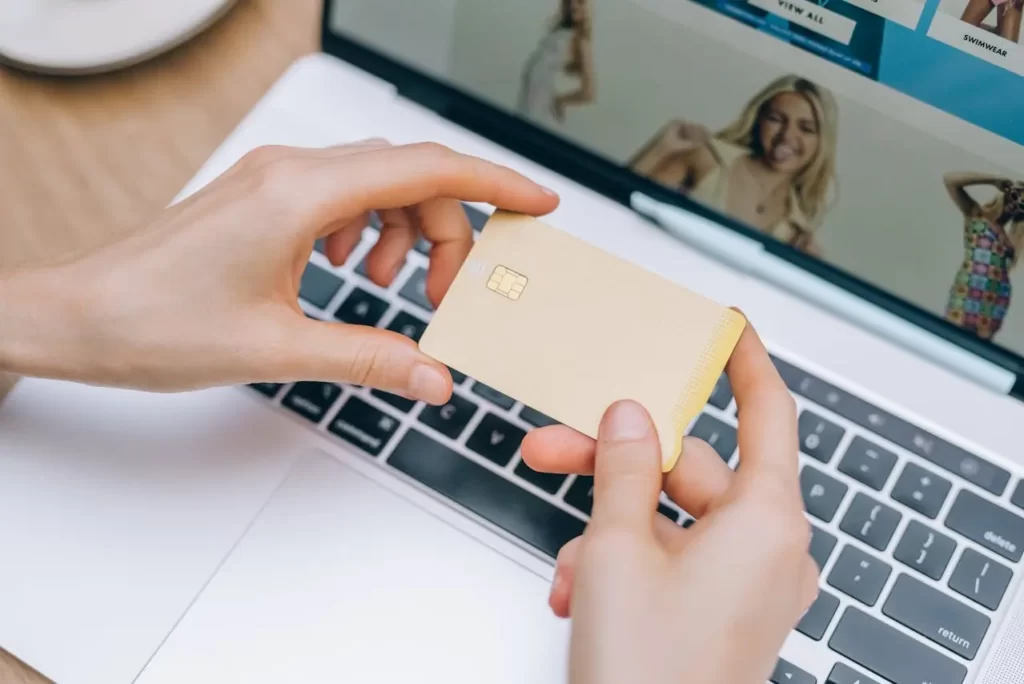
x: 751, y: 258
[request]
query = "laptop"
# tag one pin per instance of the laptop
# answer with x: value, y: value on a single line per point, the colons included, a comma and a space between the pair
x: 840, y: 170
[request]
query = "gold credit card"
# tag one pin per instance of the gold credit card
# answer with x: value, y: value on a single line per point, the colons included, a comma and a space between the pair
x: 568, y: 329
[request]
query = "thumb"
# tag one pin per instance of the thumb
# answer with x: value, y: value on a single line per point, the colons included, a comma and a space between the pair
x: 363, y: 355
x: 627, y: 469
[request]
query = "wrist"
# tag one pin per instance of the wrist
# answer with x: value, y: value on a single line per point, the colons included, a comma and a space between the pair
x: 38, y: 324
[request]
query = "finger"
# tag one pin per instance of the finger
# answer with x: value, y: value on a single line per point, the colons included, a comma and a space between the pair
x: 627, y: 470
x: 567, y: 562
x: 402, y: 176
x: 699, y: 479
x: 387, y: 256
x: 353, y: 354
x: 767, y: 433
x: 558, y: 449
x: 444, y: 223
x: 339, y: 244
x: 560, y: 597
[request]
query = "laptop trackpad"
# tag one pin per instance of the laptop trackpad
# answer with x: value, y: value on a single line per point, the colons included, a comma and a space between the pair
x: 339, y: 579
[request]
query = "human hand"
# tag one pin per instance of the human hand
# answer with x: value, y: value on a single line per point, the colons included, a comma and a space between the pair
x: 558, y: 109
x: 207, y: 294
x: 653, y: 602
x: 681, y: 136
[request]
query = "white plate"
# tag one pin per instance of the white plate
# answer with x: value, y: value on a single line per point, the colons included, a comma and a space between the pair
x: 90, y: 36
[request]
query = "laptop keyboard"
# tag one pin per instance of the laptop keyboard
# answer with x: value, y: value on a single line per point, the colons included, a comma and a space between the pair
x: 918, y: 541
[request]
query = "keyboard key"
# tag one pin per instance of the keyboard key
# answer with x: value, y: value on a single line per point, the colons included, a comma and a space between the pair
x: 859, y: 575
x: 311, y: 400
x: 925, y: 550
x: 822, y: 493
x: 495, y: 439
x: 721, y: 395
x: 401, y: 403
x: 787, y: 673
x: 980, y: 579
x: 688, y: 523
x: 321, y: 245
x: 423, y: 246
x: 819, y: 437
x: 816, y: 620
x: 269, y: 389
x: 891, y: 654
x: 921, y: 490
x: 477, y: 218
x: 844, y: 674
x: 868, y: 463
x: 870, y: 521
x: 936, y: 616
x: 549, y: 482
x: 361, y: 308
x: 581, y: 494
x: 985, y: 523
x: 1018, y: 495
x: 408, y: 325
x: 451, y: 419
x: 947, y: 456
x: 668, y: 512
x: 535, y: 418
x: 363, y: 425
x: 457, y: 377
x: 486, y: 493
x: 493, y: 396
x: 415, y: 289
x: 720, y: 436
x: 318, y: 286
x: 822, y: 545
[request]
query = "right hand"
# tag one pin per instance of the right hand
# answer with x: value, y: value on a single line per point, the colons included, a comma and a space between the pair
x: 657, y: 603
x: 681, y: 136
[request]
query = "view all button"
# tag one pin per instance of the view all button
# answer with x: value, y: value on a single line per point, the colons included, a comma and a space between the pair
x: 811, y: 16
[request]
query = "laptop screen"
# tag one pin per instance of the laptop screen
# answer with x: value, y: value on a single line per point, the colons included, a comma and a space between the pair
x: 883, y: 137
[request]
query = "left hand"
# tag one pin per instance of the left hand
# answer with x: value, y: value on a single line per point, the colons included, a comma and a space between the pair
x: 208, y: 293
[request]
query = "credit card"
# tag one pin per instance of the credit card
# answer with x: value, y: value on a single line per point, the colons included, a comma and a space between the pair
x: 568, y: 329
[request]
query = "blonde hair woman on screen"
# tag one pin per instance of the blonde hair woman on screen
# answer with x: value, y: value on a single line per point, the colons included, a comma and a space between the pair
x: 773, y: 168
x: 565, y: 48
x: 993, y: 242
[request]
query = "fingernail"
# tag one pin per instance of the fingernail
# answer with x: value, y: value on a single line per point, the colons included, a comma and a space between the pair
x: 549, y: 191
x: 627, y: 422
x: 556, y: 582
x: 427, y: 384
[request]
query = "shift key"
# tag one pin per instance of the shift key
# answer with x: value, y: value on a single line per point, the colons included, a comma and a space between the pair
x: 985, y: 523
x: 890, y: 653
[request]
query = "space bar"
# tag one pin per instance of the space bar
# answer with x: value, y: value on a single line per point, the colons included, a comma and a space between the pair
x: 487, y: 494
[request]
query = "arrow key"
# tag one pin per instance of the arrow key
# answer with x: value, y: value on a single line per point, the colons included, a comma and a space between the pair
x: 549, y: 482
x: 844, y: 674
x: 787, y: 673
x: 496, y: 440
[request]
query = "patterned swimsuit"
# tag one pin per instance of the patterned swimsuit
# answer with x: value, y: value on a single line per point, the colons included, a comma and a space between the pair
x: 980, y: 294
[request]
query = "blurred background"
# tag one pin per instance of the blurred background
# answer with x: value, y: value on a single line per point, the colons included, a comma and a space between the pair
x: 88, y: 157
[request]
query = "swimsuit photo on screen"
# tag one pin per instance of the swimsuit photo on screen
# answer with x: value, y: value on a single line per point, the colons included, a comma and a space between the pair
x: 772, y: 168
x: 993, y: 239
x: 565, y: 49
x: 999, y: 17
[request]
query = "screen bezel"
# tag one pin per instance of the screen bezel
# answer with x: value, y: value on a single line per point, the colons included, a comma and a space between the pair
x: 618, y: 183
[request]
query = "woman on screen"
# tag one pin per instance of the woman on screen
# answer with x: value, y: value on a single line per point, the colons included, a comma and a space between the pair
x: 773, y: 168
x: 993, y: 242
x: 1008, y: 15
x: 565, y: 48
